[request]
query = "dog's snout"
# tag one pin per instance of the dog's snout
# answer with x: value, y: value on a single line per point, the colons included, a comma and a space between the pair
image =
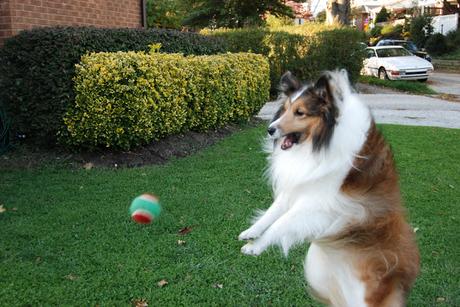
x: 271, y: 130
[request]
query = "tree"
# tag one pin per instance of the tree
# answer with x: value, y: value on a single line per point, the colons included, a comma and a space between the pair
x: 234, y: 13
x: 321, y: 16
x: 165, y: 13
x: 382, y: 16
x: 420, y: 30
x: 338, y: 11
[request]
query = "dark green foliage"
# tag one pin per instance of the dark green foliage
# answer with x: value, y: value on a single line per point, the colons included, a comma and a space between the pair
x: 383, y: 15
x: 437, y: 44
x: 4, y: 131
x: 234, y: 13
x: 321, y: 16
x: 420, y: 30
x: 165, y: 13
x: 453, y: 39
x: 376, y: 31
x: 38, y: 66
x: 304, y: 50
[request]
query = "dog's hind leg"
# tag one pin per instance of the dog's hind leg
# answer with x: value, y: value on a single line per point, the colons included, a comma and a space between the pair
x: 277, y: 209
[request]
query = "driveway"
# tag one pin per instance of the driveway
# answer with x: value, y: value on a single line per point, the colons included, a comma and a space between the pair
x: 401, y: 109
x: 447, y: 83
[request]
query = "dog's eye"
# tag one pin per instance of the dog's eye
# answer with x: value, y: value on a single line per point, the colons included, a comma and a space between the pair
x: 299, y: 113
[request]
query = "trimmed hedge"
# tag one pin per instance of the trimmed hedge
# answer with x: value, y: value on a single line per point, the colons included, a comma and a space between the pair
x: 37, y: 68
x: 128, y: 99
x: 304, y: 50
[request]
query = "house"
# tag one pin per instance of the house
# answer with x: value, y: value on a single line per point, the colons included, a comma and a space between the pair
x: 301, y: 11
x: 444, y: 12
x: 17, y: 15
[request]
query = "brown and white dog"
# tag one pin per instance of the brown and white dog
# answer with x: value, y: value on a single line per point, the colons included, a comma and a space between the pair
x: 336, y: 186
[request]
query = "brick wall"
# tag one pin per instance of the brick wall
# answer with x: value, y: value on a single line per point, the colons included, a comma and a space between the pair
x: 17, y: 15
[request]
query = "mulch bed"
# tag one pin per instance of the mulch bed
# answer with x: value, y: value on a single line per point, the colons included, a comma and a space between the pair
x: 26, y: 156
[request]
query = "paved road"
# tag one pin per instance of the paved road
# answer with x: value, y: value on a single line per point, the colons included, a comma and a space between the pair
x: 448, y: 83
x: 401, y: 109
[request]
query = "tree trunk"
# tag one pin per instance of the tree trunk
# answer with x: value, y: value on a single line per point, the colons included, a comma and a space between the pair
x: 338, y: 11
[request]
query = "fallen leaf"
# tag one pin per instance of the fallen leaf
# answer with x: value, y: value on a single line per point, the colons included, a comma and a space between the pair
x: 14, y: 209
x: 140, y: 303
x: 440, y: 299
x: 185, y: 231
x: 71, y: 277
x: 2, y: 209
x: 218, y: 286
x: 180, y: 242
x: 416, y: 229
x: 162, y: 283
x: 88, y: 166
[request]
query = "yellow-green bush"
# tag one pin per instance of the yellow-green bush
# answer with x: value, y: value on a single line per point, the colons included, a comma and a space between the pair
x: 305, y: 50
x: 126, y: 99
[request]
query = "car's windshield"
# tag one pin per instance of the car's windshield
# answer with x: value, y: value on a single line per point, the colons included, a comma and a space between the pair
x: 392, y: 52
x: 409, y: 46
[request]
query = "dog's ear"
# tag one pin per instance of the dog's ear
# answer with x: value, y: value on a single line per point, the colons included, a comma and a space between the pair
x: 289, y: 83
x: 323, y: 88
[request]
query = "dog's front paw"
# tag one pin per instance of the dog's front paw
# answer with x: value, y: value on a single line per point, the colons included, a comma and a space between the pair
x: 248, y: 234
x: 251, y: 249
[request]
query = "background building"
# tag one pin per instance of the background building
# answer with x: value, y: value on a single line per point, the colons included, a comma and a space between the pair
x: 17, y: 15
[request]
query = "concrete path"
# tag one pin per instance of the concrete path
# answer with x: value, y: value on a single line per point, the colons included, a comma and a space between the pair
x: 401, y: 109
x: 448, y: 83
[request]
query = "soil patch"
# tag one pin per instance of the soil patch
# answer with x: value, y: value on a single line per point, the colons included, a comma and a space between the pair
x: 26, y: 156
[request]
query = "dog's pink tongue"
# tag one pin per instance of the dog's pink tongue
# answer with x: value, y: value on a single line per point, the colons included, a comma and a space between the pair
x: 287, y: 143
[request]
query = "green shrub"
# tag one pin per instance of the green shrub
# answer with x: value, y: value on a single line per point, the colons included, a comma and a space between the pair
x: 304, y: 50
x: 376, y: 31
x: 37, y: 68
x: 453, y: 39
x: 437, y: 44
x: 420, y: 30
x: 390, y: 31
x: 126, y: 99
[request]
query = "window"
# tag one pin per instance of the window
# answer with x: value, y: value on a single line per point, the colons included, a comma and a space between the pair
x: 370, y: 53
x: 392, y: 52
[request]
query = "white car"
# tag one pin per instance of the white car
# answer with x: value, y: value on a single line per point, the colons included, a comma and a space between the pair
x: 395, y: 63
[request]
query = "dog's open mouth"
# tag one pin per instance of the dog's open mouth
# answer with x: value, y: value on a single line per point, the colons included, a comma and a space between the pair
x: 289, y: 140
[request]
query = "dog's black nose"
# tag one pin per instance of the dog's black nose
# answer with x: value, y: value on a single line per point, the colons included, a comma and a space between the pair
x: 271, y: 130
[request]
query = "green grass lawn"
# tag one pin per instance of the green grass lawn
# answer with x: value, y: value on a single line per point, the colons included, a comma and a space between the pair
x: 69, y: 239
x: 414, y: 87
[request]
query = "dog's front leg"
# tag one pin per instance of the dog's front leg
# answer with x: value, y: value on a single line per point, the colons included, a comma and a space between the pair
x: 296, y: 226
x: 277, y: 209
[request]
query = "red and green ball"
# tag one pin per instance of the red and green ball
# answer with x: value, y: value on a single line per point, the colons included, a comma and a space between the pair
x: 145, y: 208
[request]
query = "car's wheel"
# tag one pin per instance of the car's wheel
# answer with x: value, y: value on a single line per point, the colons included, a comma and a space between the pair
x: 422, y: 80
x: 383, y: 74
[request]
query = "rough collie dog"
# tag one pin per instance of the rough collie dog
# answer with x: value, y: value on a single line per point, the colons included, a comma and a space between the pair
x: 335, y: 185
